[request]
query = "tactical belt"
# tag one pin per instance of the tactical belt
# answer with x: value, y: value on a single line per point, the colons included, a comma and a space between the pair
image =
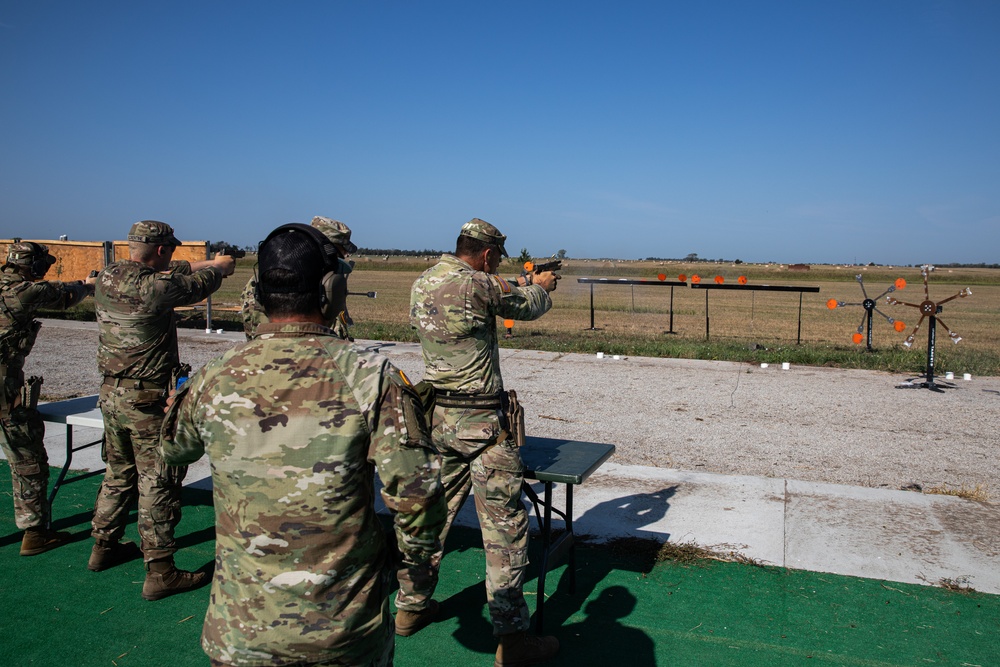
x: 454, y: 399
x: 133, y: 383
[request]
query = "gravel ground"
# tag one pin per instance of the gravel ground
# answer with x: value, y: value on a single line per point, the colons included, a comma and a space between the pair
x: 814, y: 424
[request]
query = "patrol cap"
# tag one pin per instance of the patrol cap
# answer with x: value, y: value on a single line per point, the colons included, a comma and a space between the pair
x: 336, y: 231
x: 26, y: 253
x: 152, y: 231
x: 485, y: 232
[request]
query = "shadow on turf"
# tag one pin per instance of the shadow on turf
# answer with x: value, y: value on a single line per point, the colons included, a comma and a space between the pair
x: 601, y: 632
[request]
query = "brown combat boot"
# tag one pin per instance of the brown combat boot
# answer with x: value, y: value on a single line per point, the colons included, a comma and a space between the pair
x: 107, y: 554
x: 163, y: 579
x: 411, y: 622
x: 40, y: 540
x: 519, y: 649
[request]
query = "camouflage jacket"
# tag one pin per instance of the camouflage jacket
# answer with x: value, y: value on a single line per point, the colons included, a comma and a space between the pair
x: 253, y: 315
x: 20, y: 299
x: 295, y: 423
x: 137, y: 331
x: 454, y: 309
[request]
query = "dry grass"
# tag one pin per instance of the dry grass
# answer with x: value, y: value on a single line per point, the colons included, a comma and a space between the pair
x: 977, y: 492
x: 689, y: 553
x: 956, y: 585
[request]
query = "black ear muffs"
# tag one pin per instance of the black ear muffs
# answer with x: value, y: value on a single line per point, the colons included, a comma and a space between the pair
x: 41, y: 260
x: 333, y: 285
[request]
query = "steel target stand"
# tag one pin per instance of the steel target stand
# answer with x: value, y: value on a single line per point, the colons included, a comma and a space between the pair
x: 870, y: 306
x: 929, y: 310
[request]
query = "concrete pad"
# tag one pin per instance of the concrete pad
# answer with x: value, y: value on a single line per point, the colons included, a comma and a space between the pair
x: 893, y: 535
x: 725, y: 513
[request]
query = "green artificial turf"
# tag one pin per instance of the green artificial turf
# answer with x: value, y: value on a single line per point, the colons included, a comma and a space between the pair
x: 628, y: 609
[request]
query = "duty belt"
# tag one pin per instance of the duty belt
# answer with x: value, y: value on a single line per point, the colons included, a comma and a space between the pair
x: 454, y: 399
x: 133, y: 383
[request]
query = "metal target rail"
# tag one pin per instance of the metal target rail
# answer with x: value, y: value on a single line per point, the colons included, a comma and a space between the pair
x: 695, y: 283
x: 628, y: 281
x: 755, y: 288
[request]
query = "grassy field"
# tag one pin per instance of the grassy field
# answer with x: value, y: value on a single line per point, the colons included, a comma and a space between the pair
x: 753, y: 326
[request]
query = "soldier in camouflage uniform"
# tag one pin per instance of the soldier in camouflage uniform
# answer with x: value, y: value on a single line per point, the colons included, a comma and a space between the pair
x: 340, y: 235
x: 22, y: 293
x: 137, y: 355
x: 295, y: 423
x: 453, y: 307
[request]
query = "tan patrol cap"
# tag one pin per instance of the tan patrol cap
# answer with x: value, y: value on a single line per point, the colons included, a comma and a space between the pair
x: 336, y: 231
x: 152, y: 231
x: 485, y: 232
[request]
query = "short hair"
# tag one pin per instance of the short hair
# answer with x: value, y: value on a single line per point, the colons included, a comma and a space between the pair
x: 286, y: 303
x: 141, y: 252
x: 467, y: 246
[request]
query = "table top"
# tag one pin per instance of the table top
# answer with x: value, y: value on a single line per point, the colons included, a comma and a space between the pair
x: 82, y: 411
x: 563, y: 461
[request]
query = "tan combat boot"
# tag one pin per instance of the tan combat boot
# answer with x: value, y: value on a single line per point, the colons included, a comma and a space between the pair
x: 107, y: 554
x: 519, y: 649
x: 410, y: 622
x: 163, y: 579
x: 40, y: 540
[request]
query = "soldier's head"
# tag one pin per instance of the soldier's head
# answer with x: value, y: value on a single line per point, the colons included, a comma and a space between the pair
x: 300, y: 275
x: 481, y: 245
x: 338, y: 233
x: 31, y: 259
x: 153, y: 243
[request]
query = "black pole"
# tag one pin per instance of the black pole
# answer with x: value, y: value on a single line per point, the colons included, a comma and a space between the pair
x: 869, y: 330
x: 671, y: 310
x: 706, y: 314
x: 798, y: 335
x: 931, y: 339
x: 592, y: 306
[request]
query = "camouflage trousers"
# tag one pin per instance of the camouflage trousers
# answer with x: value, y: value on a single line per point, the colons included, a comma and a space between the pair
x: 383, y: 659
x: 473, y: 460
x: 21, y: 434
x: 135, y: 470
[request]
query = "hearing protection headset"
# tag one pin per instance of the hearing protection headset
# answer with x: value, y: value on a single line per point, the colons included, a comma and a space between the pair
x: 333, y: 283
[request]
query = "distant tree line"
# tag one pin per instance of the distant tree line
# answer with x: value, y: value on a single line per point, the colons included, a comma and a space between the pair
x: 693, y: 257
x: 397, y: 252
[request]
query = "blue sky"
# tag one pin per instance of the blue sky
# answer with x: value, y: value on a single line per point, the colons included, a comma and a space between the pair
x: 800, y: 131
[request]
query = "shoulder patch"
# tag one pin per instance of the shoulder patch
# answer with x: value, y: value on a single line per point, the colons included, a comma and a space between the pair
x: 501, y: 283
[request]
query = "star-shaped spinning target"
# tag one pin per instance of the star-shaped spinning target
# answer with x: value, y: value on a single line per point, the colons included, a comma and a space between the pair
x: 870, y: 306
x: 929, y: 308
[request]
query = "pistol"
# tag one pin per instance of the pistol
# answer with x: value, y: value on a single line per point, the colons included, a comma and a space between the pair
x: 531, y: 267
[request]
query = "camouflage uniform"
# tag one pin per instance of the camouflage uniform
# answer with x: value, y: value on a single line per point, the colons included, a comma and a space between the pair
x: 295, y: 423
x: 454, y: 309
x: 253, y: 315
x: 137, y: 355
x: 21, y: 427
